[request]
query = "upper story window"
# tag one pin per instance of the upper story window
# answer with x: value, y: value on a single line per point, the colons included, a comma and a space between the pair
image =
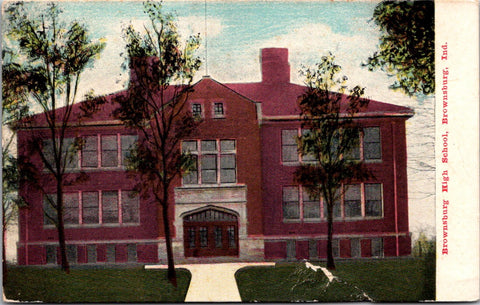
x: 358, y: 201
x: 197, y: 110
x: 218, y: 110
x: 95, y: 207
x: 67, y: 150
x: 369, y: 146
x: 106, y: 151
x: 98, y: 151
x: 215, y: 161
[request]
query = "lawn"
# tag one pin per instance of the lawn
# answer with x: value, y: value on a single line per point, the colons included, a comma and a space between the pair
x: 406, y: 280
x: 107, y: 285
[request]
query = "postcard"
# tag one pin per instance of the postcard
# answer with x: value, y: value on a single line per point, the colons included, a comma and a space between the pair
x: 240, y: 151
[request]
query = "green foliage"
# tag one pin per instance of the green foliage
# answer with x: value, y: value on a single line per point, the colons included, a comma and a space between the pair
x: 407, y: 45
x: 50, y: 56
x: 155, y: 102
x: 162, y: 69
x: 330, y: 135
x: 424, y: 246
x: 94, y: 285
x: 175, y: 60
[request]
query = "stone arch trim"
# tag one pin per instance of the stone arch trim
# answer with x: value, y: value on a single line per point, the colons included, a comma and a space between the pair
x: 206, y: 208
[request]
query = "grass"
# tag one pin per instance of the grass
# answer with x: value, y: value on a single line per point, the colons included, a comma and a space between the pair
x: 99, y: 285
x: 405, y: 280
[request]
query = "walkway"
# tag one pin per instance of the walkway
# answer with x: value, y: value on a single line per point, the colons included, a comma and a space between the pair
x: 213, y: 282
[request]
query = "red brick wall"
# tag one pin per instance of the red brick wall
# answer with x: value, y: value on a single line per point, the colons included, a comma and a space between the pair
x: 276, y: 175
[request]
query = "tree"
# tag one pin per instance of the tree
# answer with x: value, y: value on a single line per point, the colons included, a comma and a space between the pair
x: 330, y: 137
x: 162, y: 71
x: 15, y: 107
x: 54, y: 56
x: 407, y: 45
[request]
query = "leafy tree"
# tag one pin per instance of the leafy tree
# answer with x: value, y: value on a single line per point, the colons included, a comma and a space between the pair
x: 162, y: 71
x: 407, y: 45
x: 15, y: 107
x: 54, y: 55
x: 330, y: 138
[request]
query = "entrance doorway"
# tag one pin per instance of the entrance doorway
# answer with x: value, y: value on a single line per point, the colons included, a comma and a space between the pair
x: 210, y: 231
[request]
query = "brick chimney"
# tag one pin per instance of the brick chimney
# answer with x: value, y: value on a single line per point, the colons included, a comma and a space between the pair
x: 275, y: 67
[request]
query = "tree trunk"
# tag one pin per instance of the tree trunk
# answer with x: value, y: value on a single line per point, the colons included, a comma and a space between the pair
x: 330, y: 260
x: 172, y: 275
x: 61, y: 229
x: 4, y: 257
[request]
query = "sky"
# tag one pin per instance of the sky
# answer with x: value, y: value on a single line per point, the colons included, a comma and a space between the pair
x: 236, y: 31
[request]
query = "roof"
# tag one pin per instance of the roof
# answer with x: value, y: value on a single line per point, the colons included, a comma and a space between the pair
x: 282, y: 100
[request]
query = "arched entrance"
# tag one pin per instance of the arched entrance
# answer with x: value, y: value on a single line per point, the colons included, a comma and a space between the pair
x: 210, y: 231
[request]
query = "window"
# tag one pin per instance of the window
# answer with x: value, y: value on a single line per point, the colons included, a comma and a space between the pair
x: 91, y: 253
x: 291, y: 203
x: 369, y: 141
x: 71, y: 253
x: 218, y: 237
x: 106, y: 150
x: 377, y: 247
x: 336, y: 247
x: 232, y: 243
x: 90, y: 207
x: 70, y: 202
x: 90, y: 152
x: 109, y: 151
x: 131, y: 253
x: 192, y: 235
x: 97, y: 207
x: 215, y: 161
x: 312, y: 249
x: 353, y: 201
x: 218, y: 111
x: 51, y: 254
x: 289, y: 145
x: 291, y: 249
x: 111, y: 253
x: 362, y: 200
x: 49, y: 209
x: 110, y: 207
x: 203, y: 237
x: 128, y: 143
x: 197, y: 110
x: 311, y: 206
x: 130, y: 207
x: 373, y: 199
x: 356, y: 201
x: 355, y: 247
x: 372, y: 149
x: 68, y: 151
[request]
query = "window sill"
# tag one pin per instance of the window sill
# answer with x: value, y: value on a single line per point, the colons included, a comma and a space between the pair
x: 201, y: 186
x: 88, y: 226
x: 335, y: 220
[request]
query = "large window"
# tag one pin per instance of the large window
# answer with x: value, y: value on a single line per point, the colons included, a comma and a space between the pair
x: 215, y: 161
x: 96, y: 207
x: 97, y: 151
x: 356, y: 201
x: 106, y: 151
x: 369, y: 146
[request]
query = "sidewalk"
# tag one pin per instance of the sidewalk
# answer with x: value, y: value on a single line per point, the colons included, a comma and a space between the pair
x: 213, y: 282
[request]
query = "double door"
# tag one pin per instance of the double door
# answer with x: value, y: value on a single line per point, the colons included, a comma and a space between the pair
x: 211, y: 238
